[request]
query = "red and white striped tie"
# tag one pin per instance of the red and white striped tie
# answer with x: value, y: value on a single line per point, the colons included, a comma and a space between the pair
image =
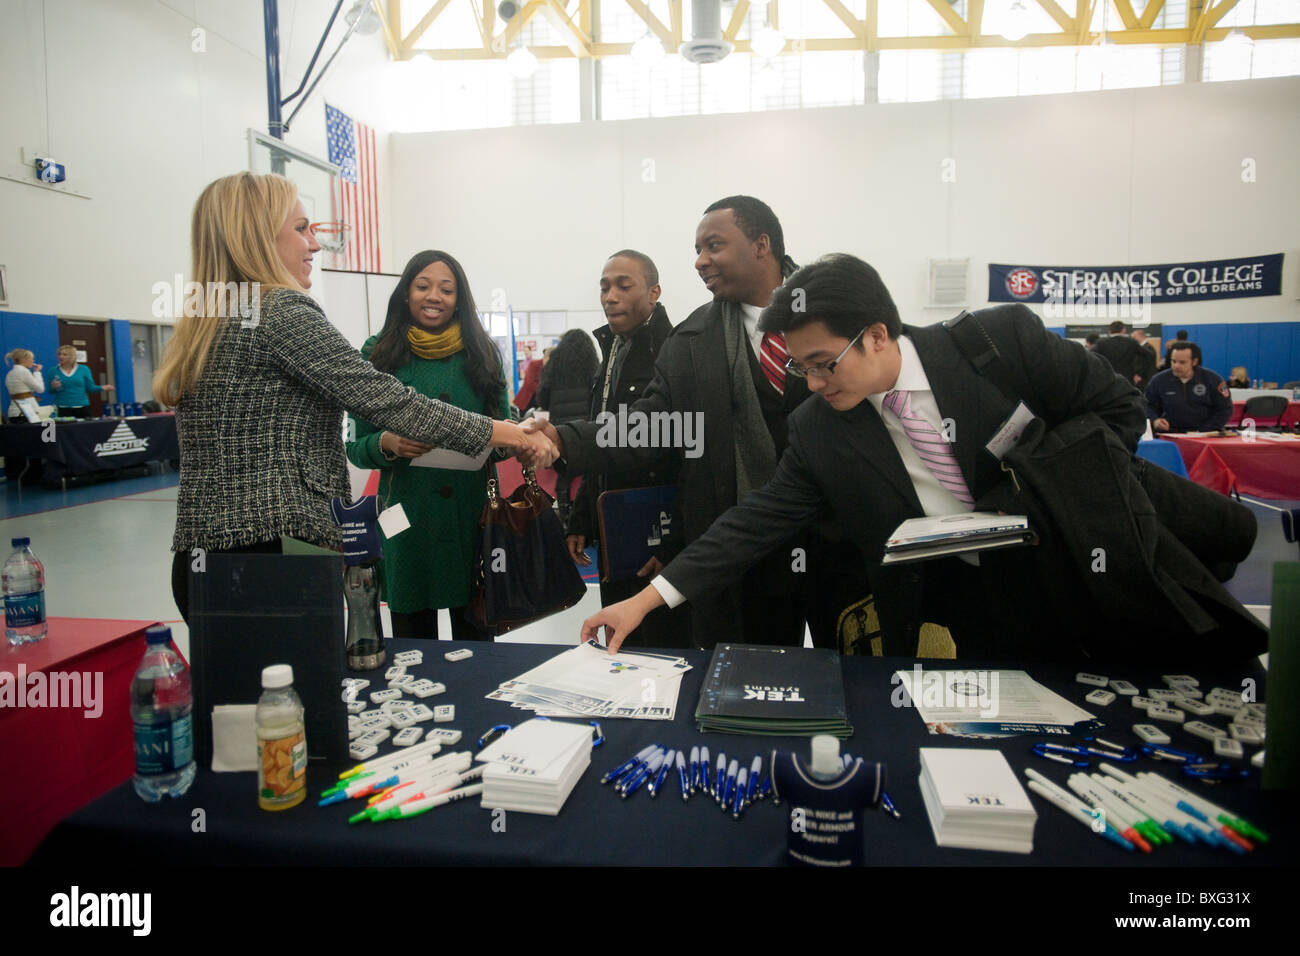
x: 772, y: 356
x: 930, y: 446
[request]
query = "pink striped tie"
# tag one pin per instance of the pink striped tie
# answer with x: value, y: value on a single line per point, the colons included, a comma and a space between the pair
x: 772, y: 356
x: 930, y: 446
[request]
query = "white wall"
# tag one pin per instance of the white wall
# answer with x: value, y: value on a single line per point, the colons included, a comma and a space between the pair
x: 115, y: 90
x: 1109, y: 178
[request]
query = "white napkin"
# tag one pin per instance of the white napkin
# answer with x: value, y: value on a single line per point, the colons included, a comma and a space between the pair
x: 234, y: 738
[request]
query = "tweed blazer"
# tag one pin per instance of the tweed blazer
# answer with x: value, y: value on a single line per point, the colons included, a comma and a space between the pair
x: 261, y: 435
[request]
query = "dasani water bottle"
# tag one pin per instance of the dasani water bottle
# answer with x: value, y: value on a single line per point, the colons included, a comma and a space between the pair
x: 161, y: 700
x: 24, y: 587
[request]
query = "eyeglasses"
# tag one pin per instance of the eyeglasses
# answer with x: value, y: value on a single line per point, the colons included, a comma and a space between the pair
x: 825, y: 369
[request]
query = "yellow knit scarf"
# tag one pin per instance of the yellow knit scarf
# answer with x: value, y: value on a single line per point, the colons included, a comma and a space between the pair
x: 435, y: 345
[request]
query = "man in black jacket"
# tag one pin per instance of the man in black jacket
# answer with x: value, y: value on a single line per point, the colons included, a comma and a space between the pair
x: 629, y: 343
x: 1131, y: 362
x: 718, y: 370
x: 901, y: 428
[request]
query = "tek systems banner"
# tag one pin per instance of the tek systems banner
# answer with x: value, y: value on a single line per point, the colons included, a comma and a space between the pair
x: 1174, y: 282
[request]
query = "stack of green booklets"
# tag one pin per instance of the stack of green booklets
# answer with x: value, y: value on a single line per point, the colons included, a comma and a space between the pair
x: 773, y: 691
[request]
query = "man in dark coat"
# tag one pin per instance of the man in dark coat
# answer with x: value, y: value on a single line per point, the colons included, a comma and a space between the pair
x: 1131, y: 361
x: 637, y: 328
x: 717, y: 370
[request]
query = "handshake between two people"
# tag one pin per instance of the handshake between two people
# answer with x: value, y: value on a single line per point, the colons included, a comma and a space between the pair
x: 530, y: 445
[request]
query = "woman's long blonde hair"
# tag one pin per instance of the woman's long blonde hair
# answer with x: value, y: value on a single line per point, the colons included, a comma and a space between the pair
x: 233, y: 239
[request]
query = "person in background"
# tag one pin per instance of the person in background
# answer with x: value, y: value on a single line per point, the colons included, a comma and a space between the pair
x: 1186, y: 397
x: 523, y: 399
x: 1131, y: 362
x: 636, y: 329
x: 565, y: 393
x: 1179, y: 336
x: 72, y: 385
x: 23, y: 380
x: 1091, y: 340
x: 433, y: 341
x: 1140, y: 337
x: 260, y: 392
x: 1239, y: 378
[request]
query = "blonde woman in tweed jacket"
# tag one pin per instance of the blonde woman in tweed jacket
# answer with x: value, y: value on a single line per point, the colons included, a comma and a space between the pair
x: 260, y: 396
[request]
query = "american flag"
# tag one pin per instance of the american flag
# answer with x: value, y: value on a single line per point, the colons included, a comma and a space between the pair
x: 352, y: 148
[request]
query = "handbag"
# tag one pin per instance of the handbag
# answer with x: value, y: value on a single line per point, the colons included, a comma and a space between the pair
x: 523, y: 570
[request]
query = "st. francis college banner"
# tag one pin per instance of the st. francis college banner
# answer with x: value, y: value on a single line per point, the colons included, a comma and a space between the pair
x: 1175, y: 282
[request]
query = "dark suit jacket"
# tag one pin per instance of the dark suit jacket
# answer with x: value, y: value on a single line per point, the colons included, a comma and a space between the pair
x: 845, y: 463
x: 634, y: 376
x: 691, y: 376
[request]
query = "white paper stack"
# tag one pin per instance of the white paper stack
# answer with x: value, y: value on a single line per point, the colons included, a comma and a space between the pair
x: 587, y: 681
x: 535, y: 766
x: 975, y: 801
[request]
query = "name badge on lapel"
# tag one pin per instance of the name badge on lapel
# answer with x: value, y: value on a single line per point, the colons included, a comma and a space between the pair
x: 1005, y: 438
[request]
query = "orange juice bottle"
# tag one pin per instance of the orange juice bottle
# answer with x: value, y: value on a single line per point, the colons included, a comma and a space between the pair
x: 281, y: 742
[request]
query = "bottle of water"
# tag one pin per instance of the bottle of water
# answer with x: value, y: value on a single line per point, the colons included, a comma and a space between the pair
x: 161, y: 700
x: 24, y: 587
x: 365, y: 641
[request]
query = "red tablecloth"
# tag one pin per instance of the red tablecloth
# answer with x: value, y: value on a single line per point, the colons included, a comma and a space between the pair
x: 1264, y: 468
x: 1290, y: 417
x: 58, y: 758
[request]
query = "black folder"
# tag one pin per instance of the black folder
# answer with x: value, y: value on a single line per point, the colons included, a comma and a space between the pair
x: 248, y: 611
x: 633, y: 522
x: 778, y: 691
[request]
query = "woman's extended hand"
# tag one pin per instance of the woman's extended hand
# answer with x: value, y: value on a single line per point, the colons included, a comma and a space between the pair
x: 534, y: 449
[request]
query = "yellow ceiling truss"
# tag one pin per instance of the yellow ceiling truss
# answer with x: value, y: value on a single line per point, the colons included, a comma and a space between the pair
x: 573, y: 21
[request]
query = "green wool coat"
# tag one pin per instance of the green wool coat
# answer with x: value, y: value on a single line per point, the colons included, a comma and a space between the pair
x: 430, y: 565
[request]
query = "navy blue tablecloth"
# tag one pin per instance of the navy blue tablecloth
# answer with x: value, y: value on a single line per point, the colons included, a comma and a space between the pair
x: 597, y: 827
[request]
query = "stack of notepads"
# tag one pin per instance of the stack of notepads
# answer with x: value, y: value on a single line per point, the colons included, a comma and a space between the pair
x: 535, y: 766
x: 975, y: 801
x: 776, y: 691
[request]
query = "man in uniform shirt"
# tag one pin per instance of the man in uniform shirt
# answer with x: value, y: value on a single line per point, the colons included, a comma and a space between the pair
x: 1186, y: 397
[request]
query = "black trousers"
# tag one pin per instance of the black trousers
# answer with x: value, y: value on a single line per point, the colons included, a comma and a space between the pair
x: 424, y: 624
x: 80, y: 411
x: 181, y: 571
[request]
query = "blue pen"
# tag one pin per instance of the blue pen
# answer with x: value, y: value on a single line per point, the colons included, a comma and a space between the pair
x: 755, y: 770
x: 681, y: 773
x: 642, y: 775
x: 641, y: 765
x: 742, y: 783
x: 627, y: 765
x: 888, y: 804
x: 729, y: 788
x: 721, y: 784
x: 704, y: 770
x: 695, y: 767
x: 663, y: 774
x: 765, y: 789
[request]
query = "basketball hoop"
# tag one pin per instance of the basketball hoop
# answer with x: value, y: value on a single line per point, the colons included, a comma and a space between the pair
x: 332, y: 236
